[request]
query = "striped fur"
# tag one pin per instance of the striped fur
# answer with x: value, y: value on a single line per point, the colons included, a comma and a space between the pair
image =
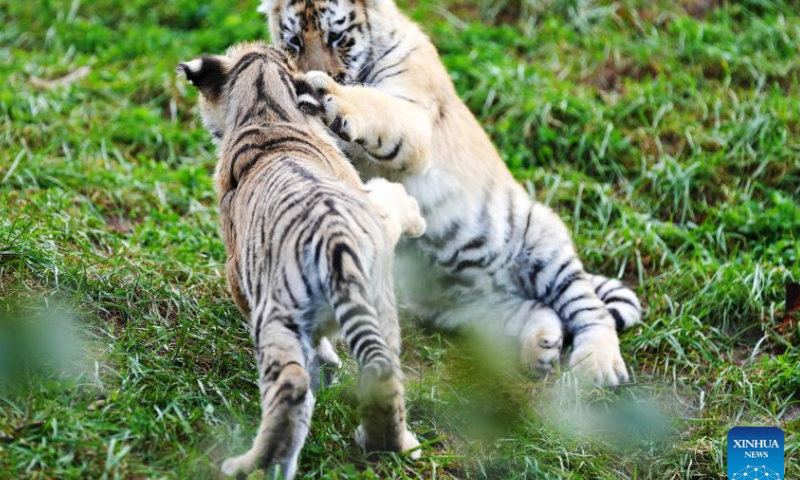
x: 620, y: 300
x: 309, y: 248
x: 398, y: 116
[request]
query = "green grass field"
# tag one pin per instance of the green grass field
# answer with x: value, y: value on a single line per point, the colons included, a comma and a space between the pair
x: 667, y: 134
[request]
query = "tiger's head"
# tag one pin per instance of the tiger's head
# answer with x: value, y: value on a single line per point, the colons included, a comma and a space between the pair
x: 337, y: 37
x: 252, y: 81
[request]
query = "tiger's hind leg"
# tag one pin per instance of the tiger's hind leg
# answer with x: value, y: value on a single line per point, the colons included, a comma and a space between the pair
x: 549, y: 270
x: 541, y: 330
x: 380, y: 385
x: 382, y: 400
x: 382, y: 403
x: 382, y: 408
x: 381, y: 394
x: 286, y: 402
x: 620, y: 301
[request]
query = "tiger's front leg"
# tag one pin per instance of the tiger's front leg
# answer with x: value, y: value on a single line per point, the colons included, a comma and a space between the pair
x: 393, y: 132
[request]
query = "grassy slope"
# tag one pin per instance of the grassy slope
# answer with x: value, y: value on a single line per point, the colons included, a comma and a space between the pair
x: 665, y: 133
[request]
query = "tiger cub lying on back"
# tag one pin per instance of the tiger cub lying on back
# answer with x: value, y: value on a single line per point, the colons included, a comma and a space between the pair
x: 309, y: 251
x: 506, y: 264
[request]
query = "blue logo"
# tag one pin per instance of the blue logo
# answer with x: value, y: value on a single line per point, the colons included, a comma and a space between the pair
x: 755, y: 453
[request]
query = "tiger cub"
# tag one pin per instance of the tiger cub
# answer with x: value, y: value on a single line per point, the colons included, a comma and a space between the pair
x: 309, y: 249
x: 390, y: 100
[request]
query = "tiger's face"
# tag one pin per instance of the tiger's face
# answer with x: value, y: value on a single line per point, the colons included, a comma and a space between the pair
x: 333, y: 36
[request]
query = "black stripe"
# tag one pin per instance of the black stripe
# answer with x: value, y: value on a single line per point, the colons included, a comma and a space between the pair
x: 555, y: 278
x: 287, y: 83
x: 361, y: 335
x: 618, y: 321
x: 339, y: 251
x: 357, y: 310
x: 583, y: 328
x: 287, y: 286
x: 376, y: 351
x: 369, y: 341
x: 602, y: 284
x: 563, y: 267
x: 405, y: 57
x: 387, y: 76
x: 270, y: 373
x: 574, y: 314
x: 450, y: 233
x: 475, y: 243
x: 367, y: 321
x: 257, y: 333
x: 533, y: 276
x: 585, y: 296
x: 362, y: 76
x: 389, y: 156
x: 263, y: 96
x: 248, y: 131
x: 279, y: 396
x: 614, y: 289
x: 473, y: 263
x: 622, y: 300
x: 299, y: 217
x: 564, y: 285
x: 243, y: 64
x: 373, y: 349
x: 269, y: 144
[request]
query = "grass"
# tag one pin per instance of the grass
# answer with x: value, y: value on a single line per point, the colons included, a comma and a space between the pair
x: 667, y: 134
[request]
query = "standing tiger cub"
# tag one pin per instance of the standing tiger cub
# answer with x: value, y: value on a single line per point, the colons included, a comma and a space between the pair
x: 504, y: 262
x: 310, y: 251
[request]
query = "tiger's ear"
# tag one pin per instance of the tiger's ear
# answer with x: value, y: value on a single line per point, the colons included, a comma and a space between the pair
x: 267, y: 6
x: 208, y: 74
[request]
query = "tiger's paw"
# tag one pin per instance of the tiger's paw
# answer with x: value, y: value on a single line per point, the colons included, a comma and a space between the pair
x: 541, y: 348
x: 340, y: 116
x: 239, y: 466
x: 413, y: 223
x: 396, y: 203
x: 243, y: 465
x: 597, y: 358
x: 321, y: 81
x: 408, y: 442
x: 541, y: 337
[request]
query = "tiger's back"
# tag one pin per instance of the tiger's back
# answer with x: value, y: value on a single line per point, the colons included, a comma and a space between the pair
x: 309, y: 251
x: 278, y: 205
